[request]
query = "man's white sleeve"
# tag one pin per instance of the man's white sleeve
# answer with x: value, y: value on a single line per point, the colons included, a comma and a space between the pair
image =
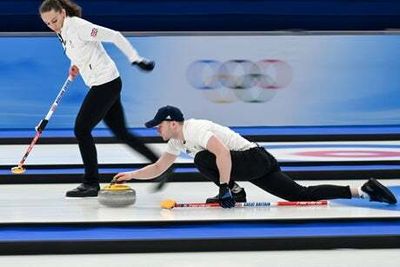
x: 199, y: 135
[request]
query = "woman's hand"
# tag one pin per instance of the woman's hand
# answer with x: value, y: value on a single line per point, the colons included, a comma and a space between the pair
x: 73, y: 71
x: 145, y: 64
x: 122, y: 176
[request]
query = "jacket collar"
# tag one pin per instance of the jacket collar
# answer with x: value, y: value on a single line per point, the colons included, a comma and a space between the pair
x: 66, y: 25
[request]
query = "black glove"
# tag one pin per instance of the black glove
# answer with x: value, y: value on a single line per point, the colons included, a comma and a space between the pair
x: 145, y: 64
x: 225, y: 197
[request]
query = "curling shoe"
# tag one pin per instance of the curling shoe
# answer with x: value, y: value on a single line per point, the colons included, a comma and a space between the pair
x: 239, y: 195
x: 378, y: 192
x: 84, y: 190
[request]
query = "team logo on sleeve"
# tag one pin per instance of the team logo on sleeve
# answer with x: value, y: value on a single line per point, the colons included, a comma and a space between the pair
x: 94, y: 32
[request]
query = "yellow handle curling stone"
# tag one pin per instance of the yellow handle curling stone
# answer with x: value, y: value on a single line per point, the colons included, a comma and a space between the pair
x: 117, y: 195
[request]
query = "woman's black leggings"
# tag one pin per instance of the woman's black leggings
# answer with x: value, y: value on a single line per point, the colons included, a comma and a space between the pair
x: 261, y: 168
x: 103, y: 102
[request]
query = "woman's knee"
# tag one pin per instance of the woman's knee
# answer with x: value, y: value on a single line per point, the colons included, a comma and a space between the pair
x: 81, y: 130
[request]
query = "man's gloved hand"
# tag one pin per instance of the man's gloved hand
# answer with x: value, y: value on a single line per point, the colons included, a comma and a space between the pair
x: 145, y: 64
x: 225, y: 197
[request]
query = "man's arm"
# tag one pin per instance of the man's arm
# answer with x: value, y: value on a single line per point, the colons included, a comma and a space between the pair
x: 223, y: 158
x: 224, y: 164
x: 150, y: 171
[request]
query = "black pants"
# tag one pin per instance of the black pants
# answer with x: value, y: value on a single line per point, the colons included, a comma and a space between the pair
x: 103, y: 102
x: 261, y: 168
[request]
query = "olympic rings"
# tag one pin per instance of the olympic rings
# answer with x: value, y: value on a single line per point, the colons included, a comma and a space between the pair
x: 239, y: 79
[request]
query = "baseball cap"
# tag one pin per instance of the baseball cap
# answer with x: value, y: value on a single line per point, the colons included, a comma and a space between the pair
x: 167, y: 113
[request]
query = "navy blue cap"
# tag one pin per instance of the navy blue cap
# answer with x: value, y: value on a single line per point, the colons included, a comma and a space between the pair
x: 167, y: 113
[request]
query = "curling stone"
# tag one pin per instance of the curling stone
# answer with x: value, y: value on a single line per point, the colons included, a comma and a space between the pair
x: 117, y: 195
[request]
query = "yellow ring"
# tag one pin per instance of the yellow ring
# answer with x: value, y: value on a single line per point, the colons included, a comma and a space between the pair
x: 116, y: 187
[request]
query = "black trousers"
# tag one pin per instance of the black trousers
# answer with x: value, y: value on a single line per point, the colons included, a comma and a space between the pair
x: 103, y: 102
x: 261, y: 168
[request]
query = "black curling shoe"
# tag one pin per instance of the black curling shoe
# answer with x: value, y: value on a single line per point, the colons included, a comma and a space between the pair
x: 84, y: 190
x: 239, y: 197
x: 378, y: 192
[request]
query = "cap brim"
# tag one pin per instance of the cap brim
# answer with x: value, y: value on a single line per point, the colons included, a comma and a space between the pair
x: 151, y: 124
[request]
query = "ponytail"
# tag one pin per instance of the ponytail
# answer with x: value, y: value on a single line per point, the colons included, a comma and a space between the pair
x: 70, y: 7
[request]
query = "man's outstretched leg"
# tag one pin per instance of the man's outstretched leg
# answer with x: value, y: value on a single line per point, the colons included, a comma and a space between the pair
x: 281, y: 185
